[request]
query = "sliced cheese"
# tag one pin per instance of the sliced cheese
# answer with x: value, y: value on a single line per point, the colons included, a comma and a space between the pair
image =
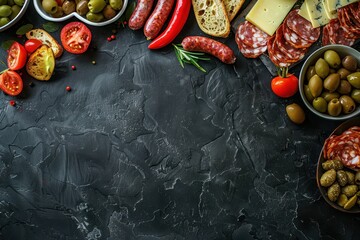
x: 329, y: 13
x: 332, y: 5
x: 304, y: 12
x: 316, y: 13
x: 268, y: 15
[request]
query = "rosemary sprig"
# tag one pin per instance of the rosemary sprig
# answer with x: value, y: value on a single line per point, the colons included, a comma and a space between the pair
x: 184, y: 56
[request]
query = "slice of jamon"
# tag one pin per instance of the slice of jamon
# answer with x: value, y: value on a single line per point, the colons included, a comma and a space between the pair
x: 338, y: 35
x: 274, y: 55
x: 325, y: 39
x: 355, y: 10
x: 251, y: 35
x: 302, y: 27
x: 294, y: 39
x: 291, y: 53
x: 348, y: 21
x: 247, y: 51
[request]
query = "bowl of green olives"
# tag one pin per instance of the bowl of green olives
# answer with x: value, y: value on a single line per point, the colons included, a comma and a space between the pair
x: 338, y: 184
x: 92, y: 12
x: 329, y: 82
x: 11, y: 11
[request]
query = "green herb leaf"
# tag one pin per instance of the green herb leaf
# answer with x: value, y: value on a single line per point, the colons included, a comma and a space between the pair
x: 51, y: 27
x: 184, y: 56
x: 7, y: 44
x: 24, y: 29
x: 129, y: 10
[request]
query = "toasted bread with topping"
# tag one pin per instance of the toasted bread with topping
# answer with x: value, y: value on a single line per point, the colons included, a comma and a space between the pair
x: 41, y: 63
x: 47, y: 39
x: 232, y: 7
x: 211, y: 17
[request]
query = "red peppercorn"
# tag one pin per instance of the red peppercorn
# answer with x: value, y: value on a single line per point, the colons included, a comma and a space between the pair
x: 109, y: 39
x: 73, y: 67
x: 125, y: 22
x: 68, y: 88
x: 12, y: 103
x: 113, y: 37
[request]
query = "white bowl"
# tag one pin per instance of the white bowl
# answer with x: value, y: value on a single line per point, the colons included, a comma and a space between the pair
x: 45, y: 15
x: 342, y: 50
x: 17, y: 18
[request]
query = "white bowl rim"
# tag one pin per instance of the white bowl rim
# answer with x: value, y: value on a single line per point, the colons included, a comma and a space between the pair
x: 303, y: 74
x: 18, y: 17
x: 44, y: 15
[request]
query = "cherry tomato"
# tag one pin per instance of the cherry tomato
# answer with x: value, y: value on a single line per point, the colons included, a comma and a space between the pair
x: 285, y: 85
x: 11, y: 83
x: 75, y: 37
x: 16, y: 57
x: 32, y: 44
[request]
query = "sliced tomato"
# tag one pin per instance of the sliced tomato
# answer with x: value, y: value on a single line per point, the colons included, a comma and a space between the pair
x: 32, y: 44
x: 16, y: 57
x: 75, y: 37
x: 11, y: 83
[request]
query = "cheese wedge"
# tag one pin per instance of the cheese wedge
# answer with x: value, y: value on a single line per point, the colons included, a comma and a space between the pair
x: 268, y: 15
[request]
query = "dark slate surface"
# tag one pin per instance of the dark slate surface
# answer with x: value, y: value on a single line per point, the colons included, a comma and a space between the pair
x: 143, y: 149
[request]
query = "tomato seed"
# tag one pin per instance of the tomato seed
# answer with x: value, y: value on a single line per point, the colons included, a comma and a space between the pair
x: 12, y: 103
x: 68, y: 88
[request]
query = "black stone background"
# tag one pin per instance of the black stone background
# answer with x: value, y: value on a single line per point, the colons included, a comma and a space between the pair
x: 143, y: 149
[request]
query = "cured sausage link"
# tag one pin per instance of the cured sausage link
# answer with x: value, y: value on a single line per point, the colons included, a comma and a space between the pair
x: 210, y: 46
x: 158, y: 18
x: 140, y: 14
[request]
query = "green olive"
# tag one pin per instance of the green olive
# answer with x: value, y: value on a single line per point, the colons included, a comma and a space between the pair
x: 59, y: 12
x: 332, y: 58
x: 20, y: 3
x: 349, y: 190
x: 354, y: 79
x: 347, y: 104
x: 15, y: 11
x: 68, y: 7
x: 328, y: 178
x: 5, y: 11
x: 322, y: 68
x: 350, y: 63
x: 320, y: 104
x: 333, y: 192
x: 334, y: 108
x: 344, y: 87
x: 94, y: 17
x: 4, y: 21
x: 96, y: 6
x: 342, y: 200
x: 315, y: 85
x: 308, y: 94
x: 332, y: 82
x: 329, y: 96
x: 82, y: 7
x: 355, y: 94
x: 109, y: 12
x: 331, y: 70
x: 310, y: 72
x: 116, y: 4
x: 341, y: 177
x: 295, y: 113
x: 357, y: 178
x: 50, y: 6
x: 332, y: 164
x: 349, y: 204
x: 351, y: 177
x: 343, y: 73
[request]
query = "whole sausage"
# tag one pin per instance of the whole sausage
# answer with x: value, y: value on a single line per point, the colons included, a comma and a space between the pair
x: 158, y: 17
x: 140, y: 14
x: 210, y: 46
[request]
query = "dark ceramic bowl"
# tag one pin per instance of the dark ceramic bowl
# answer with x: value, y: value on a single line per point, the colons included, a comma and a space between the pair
x: 18, y: 17
x: 320, y: 171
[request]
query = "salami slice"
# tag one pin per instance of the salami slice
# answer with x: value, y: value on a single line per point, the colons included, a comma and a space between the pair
x: 290, y: 52
x: 252, y: 36
x: 347, y: 21
x: 355, y: 10
x: 247, y: 51
x: 302, y: 27
x: 294, y: 39
x: 273, y: 54
x: 325, y: 39
x: 338, y: 35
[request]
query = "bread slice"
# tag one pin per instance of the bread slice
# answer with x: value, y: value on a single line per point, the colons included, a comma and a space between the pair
x: 211, y: 17
x: 47, y: 39
x: 41, y: 63
x: 232, y: 7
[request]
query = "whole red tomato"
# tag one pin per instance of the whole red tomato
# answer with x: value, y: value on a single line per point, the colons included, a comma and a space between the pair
x: 75, y: 37
x: 32, y: 44
x: 17, y: 55
x: 285, y: 86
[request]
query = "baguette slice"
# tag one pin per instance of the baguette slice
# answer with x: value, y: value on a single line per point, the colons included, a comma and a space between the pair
x: 47, y: 39
x: 232, y: 7
x: 41, y: 63
x: 211, y: 17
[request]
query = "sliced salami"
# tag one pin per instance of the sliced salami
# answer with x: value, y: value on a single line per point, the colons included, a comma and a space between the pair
x: 347, y: 21
x: 247, y: 51
x: 252, y: 36
x: 355, y: 10
x: 338, y: 35
x: 325, y: 39
x: 285, y: 47
x: 274, y: 55
x: 302, y: 27
x: 294, y: 39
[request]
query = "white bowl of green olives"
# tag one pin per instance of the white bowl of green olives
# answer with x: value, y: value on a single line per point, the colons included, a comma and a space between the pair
x: 339, y: 185
x: 92, y: 12
x: 11, y: 11
x: 329, y: 82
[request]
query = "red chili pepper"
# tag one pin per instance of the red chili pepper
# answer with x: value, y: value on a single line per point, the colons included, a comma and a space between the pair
x: 177, y: 22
